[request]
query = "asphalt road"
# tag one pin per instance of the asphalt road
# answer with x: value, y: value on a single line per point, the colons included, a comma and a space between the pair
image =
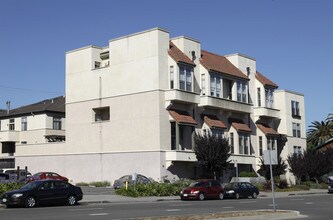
x: 314, y: 206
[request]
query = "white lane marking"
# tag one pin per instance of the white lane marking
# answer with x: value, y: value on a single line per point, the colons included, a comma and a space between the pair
x: 172, y: 210
x: 297, y: 199
x: 98, y: 214
x: 74, y: 210
x: 228, y: 207
x: 308, y: 203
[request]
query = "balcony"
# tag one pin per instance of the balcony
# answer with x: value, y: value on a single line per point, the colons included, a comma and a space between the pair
x: 227, y: 104
x: 182, y: 96
x: 184, y: 156
x: 266, y: 112
x: 9, y: 136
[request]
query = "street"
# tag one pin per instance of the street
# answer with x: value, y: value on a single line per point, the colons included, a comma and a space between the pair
x: 313, y: 206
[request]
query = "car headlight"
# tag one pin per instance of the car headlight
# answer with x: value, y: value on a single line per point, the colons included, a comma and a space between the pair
x: 195, y: 192
x: 230, y: 191
x: 17, y: 195
x: 181, y: 192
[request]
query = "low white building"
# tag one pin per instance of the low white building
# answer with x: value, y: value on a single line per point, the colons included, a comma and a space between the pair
x: 135, y: 105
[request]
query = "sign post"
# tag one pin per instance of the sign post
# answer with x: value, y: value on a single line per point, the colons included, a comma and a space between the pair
x: 272, y: 158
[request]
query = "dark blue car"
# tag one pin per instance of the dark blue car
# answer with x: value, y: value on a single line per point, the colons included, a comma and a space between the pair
x: 43, y: 192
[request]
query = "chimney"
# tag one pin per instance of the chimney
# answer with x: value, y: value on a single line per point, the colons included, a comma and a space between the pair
x: 8, y: 107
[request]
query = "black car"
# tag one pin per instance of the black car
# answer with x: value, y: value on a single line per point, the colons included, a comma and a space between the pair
x: 241, y: 189
x: 43, y: 192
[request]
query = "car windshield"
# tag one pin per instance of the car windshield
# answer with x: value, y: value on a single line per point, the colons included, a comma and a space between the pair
x: 197, y: 184
x: 31, y: 185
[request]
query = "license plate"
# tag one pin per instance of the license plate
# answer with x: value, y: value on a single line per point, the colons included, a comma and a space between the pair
x: 185, y: 195
x: 4, y: 200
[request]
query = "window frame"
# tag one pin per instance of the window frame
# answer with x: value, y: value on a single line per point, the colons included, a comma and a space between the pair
x: 24, y: 123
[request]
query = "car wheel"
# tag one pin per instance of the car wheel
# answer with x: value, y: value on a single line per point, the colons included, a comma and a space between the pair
x: 30, y: 202
x: 254, y: 195
x: 201, y: 196
x: 71, y: 200
x: 237, y: 196
x: 221, y: 196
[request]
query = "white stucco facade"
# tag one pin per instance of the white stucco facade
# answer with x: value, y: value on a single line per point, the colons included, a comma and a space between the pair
x: 135, y: 104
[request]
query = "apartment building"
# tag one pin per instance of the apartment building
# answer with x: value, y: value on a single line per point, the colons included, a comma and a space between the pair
x: 134, y: 106
x: 35, y: 124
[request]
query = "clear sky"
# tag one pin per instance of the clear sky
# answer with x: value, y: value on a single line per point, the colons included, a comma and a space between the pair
x: 290, y: 39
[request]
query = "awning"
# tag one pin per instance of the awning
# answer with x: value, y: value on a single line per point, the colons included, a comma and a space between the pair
x: 268, y: 131
x: 182, y: 117
x: 55, y: 138
x: 239, y: 125
x: 213, y: 122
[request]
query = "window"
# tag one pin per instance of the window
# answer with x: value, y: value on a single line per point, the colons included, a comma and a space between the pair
x: 260, y: 146
x: 102, y: 114
x: 259, y: 97
x: 217, y: 133
x: 0, y: 125
x: 171, y: 77
x: 215, y: 85
x: 24, y: 124
x: 243, y: 143
x: 56, y: 123
x: 232, y: 142
x: 97, y: 64
x: 269, y: 98
x: 24, y: 142
x: 203, y: 84
x: 296, y: 130
x: 173, y: 136
x: 185, y: 78
x: 295, y: 109
x: 297, y: 150
x: 241, y: 91
x: 12, y: 124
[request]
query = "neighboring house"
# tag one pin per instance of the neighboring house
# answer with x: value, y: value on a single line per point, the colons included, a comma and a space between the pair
x: 325, y: 146
x: 33, y: 124
x: 135, y: 105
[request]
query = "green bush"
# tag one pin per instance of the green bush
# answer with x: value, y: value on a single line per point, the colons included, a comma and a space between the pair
x: 97, y: 184
x: 154, y: 189
x: 247, y: 174
x: 4, y: 187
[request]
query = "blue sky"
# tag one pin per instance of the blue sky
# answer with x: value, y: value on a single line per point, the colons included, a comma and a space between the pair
x: 291, y: 40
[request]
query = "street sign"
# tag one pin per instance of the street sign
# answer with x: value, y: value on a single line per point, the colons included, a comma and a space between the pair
x: 273, y: 157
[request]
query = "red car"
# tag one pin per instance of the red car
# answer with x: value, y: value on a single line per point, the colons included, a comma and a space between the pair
x: 46, y: 176
x: 203, y: 189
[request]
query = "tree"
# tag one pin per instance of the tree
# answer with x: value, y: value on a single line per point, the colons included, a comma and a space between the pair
x: 278, y: 169
x: 296, y: 166
x: 319, y: 132
x: 212, y: 152
x: 311, y: 163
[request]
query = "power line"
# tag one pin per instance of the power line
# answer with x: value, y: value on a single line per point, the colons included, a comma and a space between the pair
x: 29, y: 90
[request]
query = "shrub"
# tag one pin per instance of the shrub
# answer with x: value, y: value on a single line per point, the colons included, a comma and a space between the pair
x: 82, y: 184
x: 282, y: 184
x: 100, y: 184
x: 4, y: 187
x: 248, y: 174
x: 154, y: 189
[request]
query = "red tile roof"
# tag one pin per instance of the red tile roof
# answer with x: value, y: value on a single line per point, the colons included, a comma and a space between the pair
x: 265, y: 81
x: 217, y: 63
x: 182, y: 117
x: 239, y: 125
x: 213, y: 122
x: 178, y: 55
x: 268, y: 131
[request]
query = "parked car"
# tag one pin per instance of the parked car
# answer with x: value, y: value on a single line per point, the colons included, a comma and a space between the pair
x: 203, y: 189
x: 4, y: 178
x: 12, y: 172
x: 130, y: 179
x: 43, y: 192
x: 46, y: 176
x: 241, y: 189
